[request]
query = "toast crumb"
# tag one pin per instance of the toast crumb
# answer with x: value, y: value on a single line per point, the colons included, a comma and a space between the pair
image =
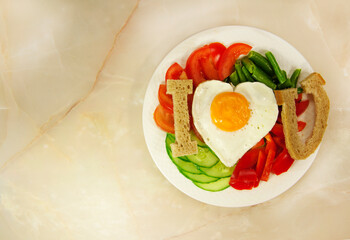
x: 183, y: 145
x: 311, y: 85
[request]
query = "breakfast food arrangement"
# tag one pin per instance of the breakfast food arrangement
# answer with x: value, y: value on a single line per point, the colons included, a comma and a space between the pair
x: 233, y: 117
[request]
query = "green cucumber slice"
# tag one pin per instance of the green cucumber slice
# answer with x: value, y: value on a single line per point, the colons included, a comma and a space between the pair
x: 216, y: 186
x: 218, y: 170
x: 172, y: 140
x: 181, y: 164
x: 186, y: 166
x: 200, y: 178
x: 204, y: 158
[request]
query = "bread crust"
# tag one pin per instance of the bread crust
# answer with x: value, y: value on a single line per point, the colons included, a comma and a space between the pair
x: 286, y: 98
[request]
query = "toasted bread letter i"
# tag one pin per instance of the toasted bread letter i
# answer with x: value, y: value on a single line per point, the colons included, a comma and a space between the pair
x: 183, y: 145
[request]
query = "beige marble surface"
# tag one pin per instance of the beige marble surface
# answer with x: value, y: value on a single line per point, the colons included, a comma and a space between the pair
x: 73, y: 160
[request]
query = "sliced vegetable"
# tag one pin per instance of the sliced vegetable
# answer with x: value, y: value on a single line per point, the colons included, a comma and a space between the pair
x: 260, y: 165
x: 193, y: 67
x: 280, y: 142
x: 229, y: 57
x: 245, y: 179
x: 260, y: 144
x: 268, y: 166
x: 248, y: 160
x: 282, y: 163
x: 198, y: 177
x: 218, y: 170
x: 204, y: 158
x: 270, y: 144
x: 277, y: 129
x: 208, y: 68
x: 165, y: 100
x: 216, y: 50
x: 270, y: 151
x: 174, y: 72
x: 164, y: 119
x: 216, y: 186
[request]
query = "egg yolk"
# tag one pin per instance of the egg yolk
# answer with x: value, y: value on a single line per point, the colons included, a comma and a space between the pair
x: 230, y: 111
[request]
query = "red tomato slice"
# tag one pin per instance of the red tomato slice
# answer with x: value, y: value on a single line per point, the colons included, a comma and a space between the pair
x: 229, y: 57
x: 301, y: 107
x: 208, y: 68
x: 216, y: 50
x: 165, y: 100
x: 164, y: 119
x: 193, y: 66
x: 174, y: 72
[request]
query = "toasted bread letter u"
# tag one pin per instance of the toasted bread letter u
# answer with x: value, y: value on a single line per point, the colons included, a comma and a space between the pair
x: 311, y: 85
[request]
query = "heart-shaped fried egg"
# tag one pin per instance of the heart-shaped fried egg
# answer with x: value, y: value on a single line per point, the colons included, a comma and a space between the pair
x: 231, y: 119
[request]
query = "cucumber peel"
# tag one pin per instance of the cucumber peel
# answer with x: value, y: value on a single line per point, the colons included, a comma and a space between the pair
x: 204, y: 169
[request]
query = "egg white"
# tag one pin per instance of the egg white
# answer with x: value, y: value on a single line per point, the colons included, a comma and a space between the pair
x: 231, y: 146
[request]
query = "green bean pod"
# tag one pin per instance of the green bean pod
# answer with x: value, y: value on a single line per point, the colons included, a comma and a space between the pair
x: 261, y: 62
x: 239, y: 71
x: 258, y: 74
x: 276, y: 68
x: 234, y: 78
x: 247, y: 74
x: 294, y: 77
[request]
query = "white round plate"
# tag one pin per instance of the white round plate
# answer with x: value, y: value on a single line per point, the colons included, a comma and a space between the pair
x: 288, y: 58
